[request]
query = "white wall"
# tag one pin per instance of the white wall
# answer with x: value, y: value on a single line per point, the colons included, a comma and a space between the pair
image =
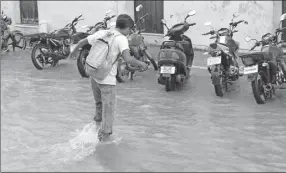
x: 259, y: 14
x: 263, y: 16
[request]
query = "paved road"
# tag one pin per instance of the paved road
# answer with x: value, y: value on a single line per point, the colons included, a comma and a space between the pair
x: 187, y: 130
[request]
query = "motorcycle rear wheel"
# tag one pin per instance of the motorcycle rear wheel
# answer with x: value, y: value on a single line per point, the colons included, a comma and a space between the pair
x: 170, y: 83
x: 41, y: 57
x: 81, y: 63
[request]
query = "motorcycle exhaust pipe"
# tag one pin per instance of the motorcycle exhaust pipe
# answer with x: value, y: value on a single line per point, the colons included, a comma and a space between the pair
x: 55, y: 56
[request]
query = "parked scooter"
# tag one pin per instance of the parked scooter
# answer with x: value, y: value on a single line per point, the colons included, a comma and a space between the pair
x: 222, y: 64
x: 84, y: 51
x: 138, y: 49
x: 176, y: 55
x: 266, y: 70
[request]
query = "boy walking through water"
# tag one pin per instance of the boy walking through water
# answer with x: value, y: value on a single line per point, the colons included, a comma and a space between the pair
x: 104, y: 89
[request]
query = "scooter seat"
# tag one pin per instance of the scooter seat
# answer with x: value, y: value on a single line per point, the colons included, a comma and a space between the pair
x: 172, y: 44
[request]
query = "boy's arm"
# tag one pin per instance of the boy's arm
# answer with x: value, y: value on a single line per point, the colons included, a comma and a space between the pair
x: 81, y: 43
x: 125, y: 52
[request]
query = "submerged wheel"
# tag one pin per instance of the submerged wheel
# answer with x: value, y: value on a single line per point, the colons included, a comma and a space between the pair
x: 258, y: 90
x: 170, y: 83
x: 81, y: 63
x: 40, y: 60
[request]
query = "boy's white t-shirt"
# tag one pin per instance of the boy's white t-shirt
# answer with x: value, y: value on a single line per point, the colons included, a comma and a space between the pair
x: 119, y: 44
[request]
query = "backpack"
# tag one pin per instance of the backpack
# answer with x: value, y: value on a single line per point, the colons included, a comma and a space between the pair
x: 99, y: 63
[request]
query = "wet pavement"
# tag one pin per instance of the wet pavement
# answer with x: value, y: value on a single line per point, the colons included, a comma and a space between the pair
x: 186, y: 130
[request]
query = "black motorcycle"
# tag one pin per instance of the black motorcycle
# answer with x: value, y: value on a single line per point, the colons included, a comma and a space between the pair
x: 176, y: 55
x: 138, y: 49
x: 8, y: 38
x: 84, y: 51
x: 222, y: 64
x: 266, y: 70
x: 54, y: 46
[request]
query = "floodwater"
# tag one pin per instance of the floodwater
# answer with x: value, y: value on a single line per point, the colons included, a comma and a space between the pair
x: 46, y: 117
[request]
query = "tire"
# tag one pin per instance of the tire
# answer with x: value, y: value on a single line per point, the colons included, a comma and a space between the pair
x: 22, y: 47
x: 148, y: 55
x: 170, y: 83
x: 81, y: 63
x: 221, y: 88
x: 33, y: 56
x: 256, y: 90
x: 218, y: 90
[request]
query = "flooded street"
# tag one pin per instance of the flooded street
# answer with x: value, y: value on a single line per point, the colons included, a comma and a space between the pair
x: 186, y: 130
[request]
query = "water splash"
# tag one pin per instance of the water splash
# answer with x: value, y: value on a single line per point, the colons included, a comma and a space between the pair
x: 76, y: 149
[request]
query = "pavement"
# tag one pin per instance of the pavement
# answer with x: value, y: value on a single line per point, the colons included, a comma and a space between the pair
x: 190, y: 129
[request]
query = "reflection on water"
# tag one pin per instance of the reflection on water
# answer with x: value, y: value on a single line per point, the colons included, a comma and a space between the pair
x: 187, y: 130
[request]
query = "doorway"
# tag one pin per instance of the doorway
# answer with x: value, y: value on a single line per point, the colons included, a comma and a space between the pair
x: 152, y: 22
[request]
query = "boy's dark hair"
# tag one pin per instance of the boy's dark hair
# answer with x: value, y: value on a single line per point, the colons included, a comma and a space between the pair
x: 124, y: 21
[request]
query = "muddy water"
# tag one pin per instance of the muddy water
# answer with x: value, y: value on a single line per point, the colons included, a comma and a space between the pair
x: 46, y: 115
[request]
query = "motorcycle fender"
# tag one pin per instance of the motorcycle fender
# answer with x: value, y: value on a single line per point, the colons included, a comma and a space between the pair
x: 251, y: 77
x: 16, y: 31
x: 215, y: 75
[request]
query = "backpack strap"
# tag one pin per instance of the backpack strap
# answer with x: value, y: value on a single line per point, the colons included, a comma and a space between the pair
x: 114, y: 35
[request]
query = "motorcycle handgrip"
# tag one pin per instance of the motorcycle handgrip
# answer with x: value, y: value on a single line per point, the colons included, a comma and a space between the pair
x: 235, y: 31
x: 207, y: 33
x: 112, y: 16
x: 192, y: 24
x: 79, y: 16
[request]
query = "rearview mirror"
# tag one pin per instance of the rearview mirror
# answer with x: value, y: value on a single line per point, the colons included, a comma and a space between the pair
x: 139, y: 7
x: 236, y: 14
x: 192, y: 12
x: 208, y: 23
x: 247, y: 38
x: 283, y: 17
x: 84, y: 26
x: 107, y: 12
x: 163, y: 21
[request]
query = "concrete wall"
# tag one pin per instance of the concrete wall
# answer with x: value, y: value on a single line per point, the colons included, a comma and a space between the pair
x: 263, y: 16
x: 259, y: 14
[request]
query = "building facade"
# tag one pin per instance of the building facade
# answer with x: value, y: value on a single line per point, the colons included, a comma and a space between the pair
x: 262, y: 16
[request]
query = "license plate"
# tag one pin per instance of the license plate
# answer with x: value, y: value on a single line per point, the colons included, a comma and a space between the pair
x: 214, y: 60
x: 250, y: 69
x: 168, y: 69
x: 222, y: 39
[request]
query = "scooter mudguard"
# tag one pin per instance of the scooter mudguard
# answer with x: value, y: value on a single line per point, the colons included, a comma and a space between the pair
x: 215, y: 74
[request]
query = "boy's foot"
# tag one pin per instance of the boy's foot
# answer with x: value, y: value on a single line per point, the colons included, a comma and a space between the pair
x: 103, y: 137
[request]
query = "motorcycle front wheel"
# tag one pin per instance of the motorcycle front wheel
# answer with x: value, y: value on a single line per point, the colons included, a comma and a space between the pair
x: 258, y: 89
x: 221, y: 87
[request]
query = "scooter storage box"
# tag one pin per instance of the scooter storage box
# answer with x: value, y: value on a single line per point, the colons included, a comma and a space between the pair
x: 253, y: 58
